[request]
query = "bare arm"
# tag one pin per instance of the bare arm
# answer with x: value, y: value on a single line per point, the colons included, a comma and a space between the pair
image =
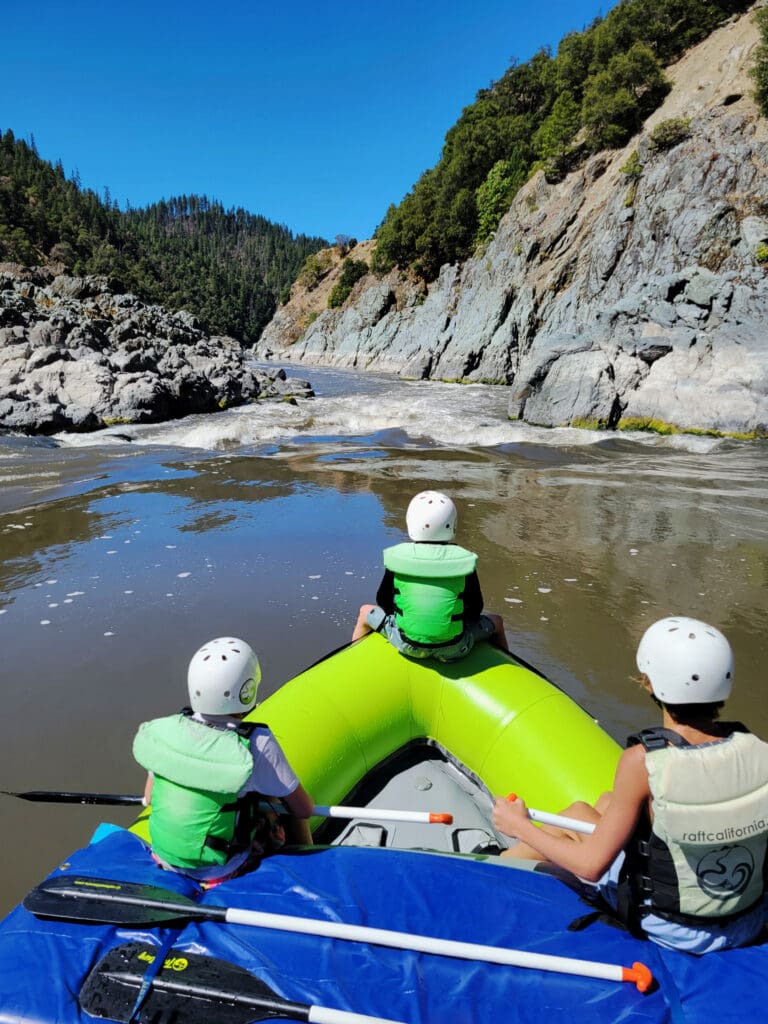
x: 301, y: 806
x: 590, y: 858
x: 148, y: 789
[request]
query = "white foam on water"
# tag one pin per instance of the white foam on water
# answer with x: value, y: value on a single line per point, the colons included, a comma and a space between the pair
x: 45, y: 622
x: 183, y: 575
x: 513, y: 600
x: 450, y: 415
x: 544, y: 590
x: 76, y: 593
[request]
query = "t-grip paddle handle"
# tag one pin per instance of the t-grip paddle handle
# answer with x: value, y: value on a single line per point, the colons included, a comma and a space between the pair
x: 639, y: 974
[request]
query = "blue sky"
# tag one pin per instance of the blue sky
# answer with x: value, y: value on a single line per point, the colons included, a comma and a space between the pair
x: 317, y: 115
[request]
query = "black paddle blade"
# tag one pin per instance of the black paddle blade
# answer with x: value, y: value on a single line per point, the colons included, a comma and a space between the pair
x: 103, y: 901
x: 55, y: 797
x: 188, y: 989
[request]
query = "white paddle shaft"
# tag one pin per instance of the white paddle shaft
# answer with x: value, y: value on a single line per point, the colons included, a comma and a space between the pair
x: 426, y: 944
x: 379, y: 814
x: 561, y: 821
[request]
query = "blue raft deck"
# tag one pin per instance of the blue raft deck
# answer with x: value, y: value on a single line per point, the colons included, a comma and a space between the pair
x: 43, y: 963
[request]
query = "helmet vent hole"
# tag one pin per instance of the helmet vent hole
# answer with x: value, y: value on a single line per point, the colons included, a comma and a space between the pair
x: 223, y: 657
x: 691, y: 636
x: 206, y: 657
x: 695, y: 678
x: 227, y: 693
x: 727, y: 675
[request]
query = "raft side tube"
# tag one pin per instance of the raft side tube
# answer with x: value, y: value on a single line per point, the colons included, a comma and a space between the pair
x: 508, y: 725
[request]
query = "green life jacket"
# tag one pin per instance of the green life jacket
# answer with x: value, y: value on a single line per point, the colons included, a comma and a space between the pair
x: 704, y: 857
x: 198, y: 771
x: 429, y: 590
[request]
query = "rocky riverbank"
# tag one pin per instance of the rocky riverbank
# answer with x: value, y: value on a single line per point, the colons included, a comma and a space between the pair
x: 76, y: 354
x: 632, y: 294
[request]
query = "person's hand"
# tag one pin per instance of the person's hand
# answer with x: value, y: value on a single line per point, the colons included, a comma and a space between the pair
x: 508, y: 815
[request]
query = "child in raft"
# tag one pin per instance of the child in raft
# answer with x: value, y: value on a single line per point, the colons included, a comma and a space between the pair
x: 208, y: 772
x: 679, y: 846
x: 429, y: 603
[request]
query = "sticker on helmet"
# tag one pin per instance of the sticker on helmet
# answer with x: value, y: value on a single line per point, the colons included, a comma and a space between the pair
x: 248, y: 691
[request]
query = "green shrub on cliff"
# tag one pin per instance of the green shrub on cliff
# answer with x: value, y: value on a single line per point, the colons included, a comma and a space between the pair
x: 669, y: 133
x: 352, y: 271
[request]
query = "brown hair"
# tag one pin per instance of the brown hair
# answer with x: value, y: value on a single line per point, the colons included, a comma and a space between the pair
x: 692, y: 714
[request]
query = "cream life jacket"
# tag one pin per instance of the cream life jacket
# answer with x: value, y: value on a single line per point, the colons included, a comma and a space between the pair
x: 429, y: 590
x: 705, y: 854
x: 198, y: 771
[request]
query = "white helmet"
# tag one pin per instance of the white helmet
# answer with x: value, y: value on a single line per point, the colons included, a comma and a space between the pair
x: 223, y: 677
x: 431, y: 516
x: 686, y: 661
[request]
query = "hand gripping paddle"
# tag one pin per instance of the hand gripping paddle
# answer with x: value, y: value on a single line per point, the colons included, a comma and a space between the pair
x: 193, y: 989
x: 76, y: 898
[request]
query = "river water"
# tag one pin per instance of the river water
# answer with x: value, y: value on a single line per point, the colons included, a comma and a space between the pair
x: 123, y: 551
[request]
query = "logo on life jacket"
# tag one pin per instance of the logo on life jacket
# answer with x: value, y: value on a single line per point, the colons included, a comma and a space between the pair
x: 725, y: 872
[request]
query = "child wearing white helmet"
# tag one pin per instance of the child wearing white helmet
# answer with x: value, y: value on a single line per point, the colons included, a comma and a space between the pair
x: 429, y: 602
x: 209, y: 772
x: 679, y: 847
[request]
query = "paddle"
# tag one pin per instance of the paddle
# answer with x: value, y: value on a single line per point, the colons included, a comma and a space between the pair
x: 324, y: 811
x: 561, y: 820
x: 129, y: 904
x: 195, y: 989
x: 380, y: 814
x: 574, y: 824
x: 55, y: 797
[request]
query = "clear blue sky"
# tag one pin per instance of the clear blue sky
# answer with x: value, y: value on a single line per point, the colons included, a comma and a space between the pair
x: 317, y: 115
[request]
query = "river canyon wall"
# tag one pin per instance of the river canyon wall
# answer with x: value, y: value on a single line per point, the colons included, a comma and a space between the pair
x: 607, y: 299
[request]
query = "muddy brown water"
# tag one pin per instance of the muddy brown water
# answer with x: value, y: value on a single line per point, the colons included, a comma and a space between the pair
x: 122, y: 554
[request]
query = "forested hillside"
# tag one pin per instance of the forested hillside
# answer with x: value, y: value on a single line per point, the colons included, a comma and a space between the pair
x: 551, y: 112
x: 227, y: 266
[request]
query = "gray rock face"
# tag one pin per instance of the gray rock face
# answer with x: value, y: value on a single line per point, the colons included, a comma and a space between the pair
x: 76, y: 356
x: 601, y: 301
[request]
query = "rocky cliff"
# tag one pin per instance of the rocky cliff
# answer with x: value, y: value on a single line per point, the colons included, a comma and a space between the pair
x: 631, y: 294
x: 76, y: 354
